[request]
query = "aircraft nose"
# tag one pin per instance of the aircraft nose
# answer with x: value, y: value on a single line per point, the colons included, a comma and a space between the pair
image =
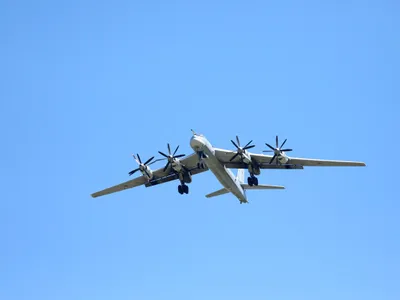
x: 196, y: 143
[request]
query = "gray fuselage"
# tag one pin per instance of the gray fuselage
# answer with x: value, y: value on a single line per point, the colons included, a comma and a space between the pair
x: 225, y: 176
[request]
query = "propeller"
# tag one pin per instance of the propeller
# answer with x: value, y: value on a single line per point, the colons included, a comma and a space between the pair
x: 240, y: 150
x: 170, y: 157
x: 142, y: 166
x: 277, y: 151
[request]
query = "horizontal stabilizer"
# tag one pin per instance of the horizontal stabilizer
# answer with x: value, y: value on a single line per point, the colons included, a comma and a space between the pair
x: 218, y: 193
x: 263, y: 187
x: 241, y: 165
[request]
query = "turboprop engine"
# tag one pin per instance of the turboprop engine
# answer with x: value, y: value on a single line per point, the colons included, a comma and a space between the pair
x: 176, y: 165
x: 143, y: 167
x: 172, y: 159
x: 241, y: 151
x: 279, y: 153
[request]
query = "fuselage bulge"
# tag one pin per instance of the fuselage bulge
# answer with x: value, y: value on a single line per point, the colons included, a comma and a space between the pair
x: 206, y: 154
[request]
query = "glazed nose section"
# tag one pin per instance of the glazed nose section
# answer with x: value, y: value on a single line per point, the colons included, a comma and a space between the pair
x: 196, y: 143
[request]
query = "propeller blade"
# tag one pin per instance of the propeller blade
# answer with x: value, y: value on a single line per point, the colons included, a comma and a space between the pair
x: 148, y: 175
x: 272, y: 148
x: 233, y: 157
x: 248, y: 147
x: 135, y: 158
x: 283, y: 143
x: 276, y: 141
x: 268, y: 151
x: 166, y: 166
x: 163, y: 154
x: 169, y: 149
x: 237, y: 139
x: 180, y: 155
x: 154, y: 161
x: 139, y: 158
x: 133, y: 171
x: 247, y: 144
x: 149, y: 160
x: 273, y: 157
x: 235, y: 144
x: 175, y: 150
x: 286, y: 150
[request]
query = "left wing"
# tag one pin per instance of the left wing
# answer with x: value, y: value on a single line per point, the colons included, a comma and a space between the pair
x: 294, y: 163
x: 190, y: 162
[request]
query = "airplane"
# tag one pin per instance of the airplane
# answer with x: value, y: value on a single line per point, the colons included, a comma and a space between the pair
x: 219, y: 162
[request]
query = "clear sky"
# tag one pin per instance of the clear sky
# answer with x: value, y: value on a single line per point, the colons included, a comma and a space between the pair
x: 84, y: 84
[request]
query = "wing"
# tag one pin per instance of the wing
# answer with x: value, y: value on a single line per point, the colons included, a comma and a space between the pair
x: 120, y: 187
x: 294, y: 163
x: 190, y: 162
x: 225, y: 156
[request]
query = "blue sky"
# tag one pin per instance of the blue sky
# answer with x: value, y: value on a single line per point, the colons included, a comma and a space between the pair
x: 86, y: 83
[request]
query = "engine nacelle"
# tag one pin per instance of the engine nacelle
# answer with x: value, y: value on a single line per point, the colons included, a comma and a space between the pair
x: 283, y: 159
x: 176, y: 165
x: 147, y: 172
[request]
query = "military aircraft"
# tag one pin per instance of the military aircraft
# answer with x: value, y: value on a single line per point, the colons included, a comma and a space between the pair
x: 219, y: 162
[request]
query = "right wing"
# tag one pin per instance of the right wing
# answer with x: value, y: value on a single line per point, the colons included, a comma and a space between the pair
x: 190, y: 162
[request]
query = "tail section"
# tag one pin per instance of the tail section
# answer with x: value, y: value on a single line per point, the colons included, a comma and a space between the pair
x: 239, y: 178
x: 262, y: 187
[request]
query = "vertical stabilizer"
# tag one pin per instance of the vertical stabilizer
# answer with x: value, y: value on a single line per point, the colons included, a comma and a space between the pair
x: 240, y: 176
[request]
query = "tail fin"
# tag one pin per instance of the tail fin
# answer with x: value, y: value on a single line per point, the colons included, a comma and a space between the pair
x: 240, y: 176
